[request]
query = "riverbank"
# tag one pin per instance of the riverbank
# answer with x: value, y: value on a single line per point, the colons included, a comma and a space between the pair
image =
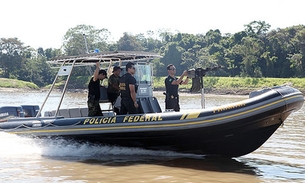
x: 212, y: 85
x: 181, y: 91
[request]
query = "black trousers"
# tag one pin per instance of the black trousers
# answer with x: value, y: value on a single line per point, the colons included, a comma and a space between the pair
x: 127, y: 106
x: 112, y: 97
x: 172, y: 102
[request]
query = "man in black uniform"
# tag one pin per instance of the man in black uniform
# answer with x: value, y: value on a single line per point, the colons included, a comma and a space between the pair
x: 171, y: 85
x: 113, y: 89
x: 94, y: 108
x: 128, y: 91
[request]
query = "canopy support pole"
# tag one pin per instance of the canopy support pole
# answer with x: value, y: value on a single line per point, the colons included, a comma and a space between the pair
x: 202, y: 94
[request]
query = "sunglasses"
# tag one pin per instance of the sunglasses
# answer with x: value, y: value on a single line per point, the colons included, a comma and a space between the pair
x: 133, y: 68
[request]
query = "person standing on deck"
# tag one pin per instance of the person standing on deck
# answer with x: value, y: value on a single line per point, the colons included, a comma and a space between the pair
x: 128, y: 91
x: 113, y: 89
x: 94, y: 108
x: 171, y: 84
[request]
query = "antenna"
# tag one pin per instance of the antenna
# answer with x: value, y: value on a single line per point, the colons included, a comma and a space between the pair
x: 86, y: 43
x: 88, y: 68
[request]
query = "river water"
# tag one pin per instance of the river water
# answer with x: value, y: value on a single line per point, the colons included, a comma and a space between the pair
x: 280, y: 159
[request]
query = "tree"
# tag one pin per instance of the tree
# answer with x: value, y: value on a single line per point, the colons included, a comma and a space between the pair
x: 85, y: 38
x: 257, y: 28
x: 149, y: 44
x: 213, y: 36
x: 36, y: 70
x: 268, y: 69
x: 250, y: 52
x: 172, y: 55
x: 296, y: 64
x: 12, y: 53
x: 298, y: 59
x: 129, y: 43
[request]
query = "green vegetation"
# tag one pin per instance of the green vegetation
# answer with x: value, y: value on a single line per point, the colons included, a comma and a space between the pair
x: 211, y: 83
x: 254, y: 53
x: 237, y: 83
x: 14, y: 83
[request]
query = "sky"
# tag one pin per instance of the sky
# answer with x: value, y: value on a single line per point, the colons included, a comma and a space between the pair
x: 43, y: 23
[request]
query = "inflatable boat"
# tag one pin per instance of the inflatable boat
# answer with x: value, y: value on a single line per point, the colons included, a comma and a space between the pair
x: 229, y: 130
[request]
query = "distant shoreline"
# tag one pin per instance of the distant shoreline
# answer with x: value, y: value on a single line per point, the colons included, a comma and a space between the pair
x: 216, y: 91
x: 3, y: 89
x: 213, y: 91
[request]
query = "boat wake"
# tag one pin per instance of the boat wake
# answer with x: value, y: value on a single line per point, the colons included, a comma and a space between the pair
x: 62, y: 149
x: 24, y: 152
x: 15, y: 146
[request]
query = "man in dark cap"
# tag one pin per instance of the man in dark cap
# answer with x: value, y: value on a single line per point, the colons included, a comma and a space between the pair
x: 94, y: 108
x: 113, y: 86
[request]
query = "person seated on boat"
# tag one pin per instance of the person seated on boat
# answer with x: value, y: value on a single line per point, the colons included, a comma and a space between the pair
x: 128, y: 91
x: 94, y: 108
x: 113, y: 89
x: 171, y: 84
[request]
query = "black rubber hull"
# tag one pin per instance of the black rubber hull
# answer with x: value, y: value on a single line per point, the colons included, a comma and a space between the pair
x: 235, y: 139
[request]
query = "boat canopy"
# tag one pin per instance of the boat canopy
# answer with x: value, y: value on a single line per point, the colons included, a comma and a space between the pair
x: 109, y: 57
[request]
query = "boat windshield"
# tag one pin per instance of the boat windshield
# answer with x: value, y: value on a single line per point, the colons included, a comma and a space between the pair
x: 143, y: 73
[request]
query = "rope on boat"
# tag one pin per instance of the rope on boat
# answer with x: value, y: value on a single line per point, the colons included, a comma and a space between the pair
x: 42, y: 127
